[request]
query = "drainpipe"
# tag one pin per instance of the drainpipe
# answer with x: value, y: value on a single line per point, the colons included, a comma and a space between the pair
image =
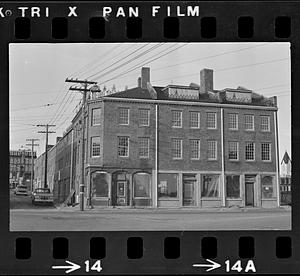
x: 156, y: 155
x: 276, y: 157
x: 71, y: 163
x: 222, y: 158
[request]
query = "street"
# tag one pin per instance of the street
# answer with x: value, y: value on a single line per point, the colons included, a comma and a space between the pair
x: 25, y: 217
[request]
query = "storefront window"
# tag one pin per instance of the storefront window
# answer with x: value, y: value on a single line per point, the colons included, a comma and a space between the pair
x: 210, y: 185
x: 167, y: 185
x: 233, y: 186
x: 141, y: 183
x: 100, y: 184
x: 267, y: 186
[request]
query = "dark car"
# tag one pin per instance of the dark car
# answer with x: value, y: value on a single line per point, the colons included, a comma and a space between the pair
x: 42, y: 196
x: 21, y: 190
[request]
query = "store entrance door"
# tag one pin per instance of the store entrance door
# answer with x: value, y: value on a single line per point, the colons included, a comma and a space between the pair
x: 249, y: 190
x: 189, y: 182
x: 121, y: 193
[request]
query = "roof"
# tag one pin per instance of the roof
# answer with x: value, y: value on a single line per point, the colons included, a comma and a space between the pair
x: 286, y: 158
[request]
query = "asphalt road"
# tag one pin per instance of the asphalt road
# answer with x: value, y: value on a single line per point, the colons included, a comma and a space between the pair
x: 25, y: 217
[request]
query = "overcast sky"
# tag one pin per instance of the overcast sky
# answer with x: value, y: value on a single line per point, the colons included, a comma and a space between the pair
x: 39, y: 94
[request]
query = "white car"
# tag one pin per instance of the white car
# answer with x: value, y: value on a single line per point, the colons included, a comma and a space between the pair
x: 42, y: 195
x: 21, y: 190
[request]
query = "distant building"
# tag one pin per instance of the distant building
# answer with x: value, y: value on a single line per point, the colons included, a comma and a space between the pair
x: 286, y: 179
x: 20, y: 167
x: 175, y: 146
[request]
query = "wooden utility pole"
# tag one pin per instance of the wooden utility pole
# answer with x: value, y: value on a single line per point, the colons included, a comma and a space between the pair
x: 32, y: 162
x: 46, y: 149
x: 84, y: 91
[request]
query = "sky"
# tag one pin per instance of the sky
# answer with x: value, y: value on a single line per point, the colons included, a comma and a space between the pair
x: 40, y: 95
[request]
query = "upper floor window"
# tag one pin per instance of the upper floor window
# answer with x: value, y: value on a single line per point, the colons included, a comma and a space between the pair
x: 95, y: 146
x: 123, y: 146
x: 233, y: 147
x: 176, y: 118
x: 265, y: 123
x: 266, y: 151
x: 143, y: 147
x: 177, y: 148
x: 144, y: 116
x: 233, y: 121
x: 195, y: 148
x: 250, y: 151
x: 211, y: 150
x: 96, y: 116
x: 249, y: 122
x: 211, y: 120
x: 123, y: 116
x: 194, y: 119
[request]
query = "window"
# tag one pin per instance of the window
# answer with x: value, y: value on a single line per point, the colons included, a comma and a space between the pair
x: 123, y: 116
x: 233, y: 149
x: 210, y: 185
x: 249, y: 151
x: 176, y: 118
x: 265, y: 151
x: 211, y: 150
x: 211, y: 120
x: 141, y: 182
x: 95, y: 142
x: 249, y: 122
x: 96, y: 116
x: 195, y: 148
x: 167, y: 185
x: 267, y: 189
x: 123, y: 146
x: 233, y: 121
x: 177, y: 148
x: 144, y: 117
x: 194, y: 119
x: 100, y: 182
x: 143, y: 147
x: 233, y: 186
x: 265, y: 123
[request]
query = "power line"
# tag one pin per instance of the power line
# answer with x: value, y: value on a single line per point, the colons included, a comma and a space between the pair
x: 32, y: 107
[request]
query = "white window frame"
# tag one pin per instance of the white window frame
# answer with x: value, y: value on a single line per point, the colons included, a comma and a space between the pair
x: 261, y: 153
x: 172, y: 112
x: 261, y: 123
x: 198, y: 150
x: 246, y: 123
x: 93, y: 124
x: 123, y: 156
x: 215, y: 120
x: 236, y: 116
x: 237, y: 150
x: 92, y: 147
x: 128, y: 116
x: 250, y: 160
x: 173, y: 149
x: 216, y: 150
x: 198, y: 119
x: 148, y: 116
x: 148, y: 147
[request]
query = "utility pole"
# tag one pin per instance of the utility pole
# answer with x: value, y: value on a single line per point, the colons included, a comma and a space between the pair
x: 32, y: 163
x: 46, y: 149
x: 84, y: 91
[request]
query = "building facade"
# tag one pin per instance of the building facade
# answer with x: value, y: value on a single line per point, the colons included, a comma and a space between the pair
x: 177, y: 146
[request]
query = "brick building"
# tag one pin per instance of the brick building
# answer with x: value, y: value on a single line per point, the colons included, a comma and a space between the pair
x: 178, y: 146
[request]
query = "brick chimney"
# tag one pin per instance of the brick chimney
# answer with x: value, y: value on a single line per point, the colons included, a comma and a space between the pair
x: 145, y: 75
x: 139, y: 82
x: 206, y: 80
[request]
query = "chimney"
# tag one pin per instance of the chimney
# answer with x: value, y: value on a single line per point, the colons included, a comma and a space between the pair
x: 139, y: 82
x: 145, y: 77
x: 206, y: 80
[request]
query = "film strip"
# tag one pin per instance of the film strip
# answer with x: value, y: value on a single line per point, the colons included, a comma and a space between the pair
x: 162, y: 245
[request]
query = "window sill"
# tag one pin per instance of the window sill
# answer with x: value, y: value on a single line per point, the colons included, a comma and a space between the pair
x: 177, y: 159
x: 168, y: 198
x: 176, y: 126
x: 269, y: 199
x: 233, y: 198
x: 210, y: 198
x: 143, y: 125
x: 250, y: 161
x: 123, y: 156
x: 195, y: 159
x: 266, y: 161
x: 94, y: 157
x: 212, y: 160
x: 141, y: 197
x: 233, y: 129
x: 144, y: 157
x: 209, y: 128
x: 194, y: 127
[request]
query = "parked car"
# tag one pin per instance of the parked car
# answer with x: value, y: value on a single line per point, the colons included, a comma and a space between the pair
x: 21, y: 190
x: 42, y: 196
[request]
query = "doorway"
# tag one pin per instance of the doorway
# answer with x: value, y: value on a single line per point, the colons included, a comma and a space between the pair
x: 189, y: 181
x: 121, y: 193
x: 249, y: 190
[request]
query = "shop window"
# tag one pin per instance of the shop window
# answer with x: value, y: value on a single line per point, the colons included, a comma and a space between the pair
x: 267, y: 186
x: 141, y: 182
x: 233, y: 186
x: 100, y: 184
x: 210, y: 186
x: 167, y: 185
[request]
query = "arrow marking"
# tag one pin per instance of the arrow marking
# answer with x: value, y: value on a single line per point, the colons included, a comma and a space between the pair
x: 71, y: 267
x: 213, y: 265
